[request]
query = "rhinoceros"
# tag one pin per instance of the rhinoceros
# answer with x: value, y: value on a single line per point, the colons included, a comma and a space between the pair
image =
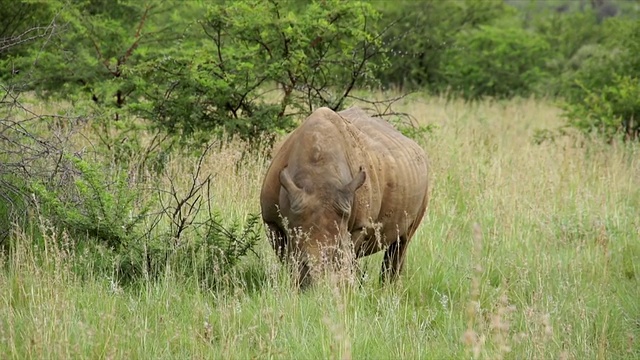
x: 344, y: 177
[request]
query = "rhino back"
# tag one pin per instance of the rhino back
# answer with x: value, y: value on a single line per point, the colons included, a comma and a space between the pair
x: 399, y: 186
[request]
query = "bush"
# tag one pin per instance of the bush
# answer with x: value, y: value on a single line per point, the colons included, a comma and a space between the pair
x: 591, y: 67
x: 92, y: 205
x: 573, y: 37
x: 109, y: 217
x: 602, y: 94
x: 610, y: 111
x: 417, y: 33
x: 495, y: 61
x: 566, y: 33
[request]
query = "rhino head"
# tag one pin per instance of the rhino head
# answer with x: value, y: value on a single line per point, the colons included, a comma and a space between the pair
x: 317, y: 214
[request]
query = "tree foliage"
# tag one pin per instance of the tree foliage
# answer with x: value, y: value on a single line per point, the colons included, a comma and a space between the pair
x: 192, y: 67
x: 495, y: 61
x: 23, y: 23
x: 416, y: 34
x: 95, y: 43
x: 603, y: 91
x: 249, y: 68
x: 249, y: 75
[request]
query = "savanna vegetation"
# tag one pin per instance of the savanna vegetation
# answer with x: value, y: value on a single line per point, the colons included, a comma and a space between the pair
x: 134, y: 137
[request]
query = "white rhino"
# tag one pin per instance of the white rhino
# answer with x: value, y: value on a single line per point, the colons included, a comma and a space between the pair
x: 341, y: 174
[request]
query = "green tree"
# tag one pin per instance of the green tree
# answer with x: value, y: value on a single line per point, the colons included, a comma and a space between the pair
x: 495, y: 61
x: 238, y: 68
x: 259, y: 64
x: 602, y: 94
x: 22, y: 23
x: 96, y: 42
x: 417, y: 33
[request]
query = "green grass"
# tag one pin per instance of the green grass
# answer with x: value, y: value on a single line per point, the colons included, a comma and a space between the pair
x: 526, y: 251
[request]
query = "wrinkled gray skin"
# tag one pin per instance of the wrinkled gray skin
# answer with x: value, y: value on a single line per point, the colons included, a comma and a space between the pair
x: 339, y: 174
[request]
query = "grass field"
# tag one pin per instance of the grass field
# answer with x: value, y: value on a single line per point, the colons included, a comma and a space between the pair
x: 526, y: 252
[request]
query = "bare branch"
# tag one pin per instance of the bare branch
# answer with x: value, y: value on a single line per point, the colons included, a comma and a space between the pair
x: 27, y: 36
x: 383, y: 108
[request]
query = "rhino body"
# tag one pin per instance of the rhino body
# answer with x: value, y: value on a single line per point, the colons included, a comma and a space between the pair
x: 339, y: 174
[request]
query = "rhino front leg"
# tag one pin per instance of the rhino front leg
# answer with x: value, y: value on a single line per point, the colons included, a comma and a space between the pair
x: 278, y: 240
x: 394, y: 260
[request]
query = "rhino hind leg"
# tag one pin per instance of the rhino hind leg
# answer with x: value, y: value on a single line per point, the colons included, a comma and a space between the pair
x: 394, y: 260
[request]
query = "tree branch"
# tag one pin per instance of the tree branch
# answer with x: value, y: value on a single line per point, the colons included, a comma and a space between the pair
x: 123, y: 59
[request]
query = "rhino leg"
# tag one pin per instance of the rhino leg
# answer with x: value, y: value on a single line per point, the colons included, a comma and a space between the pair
x: 394, y: 256
x: 394, y: 260
x: 278, y: 240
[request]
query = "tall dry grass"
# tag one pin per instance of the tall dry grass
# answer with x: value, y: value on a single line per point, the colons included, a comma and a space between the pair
x: 526, y: 251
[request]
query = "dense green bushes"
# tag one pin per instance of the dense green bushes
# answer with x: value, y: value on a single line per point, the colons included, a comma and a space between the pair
x: 417, y: 33
x: 602, y: 93
x: 495, y: 61
x: 192, y: 67
x: 579, y: 55
x: 611, y: 111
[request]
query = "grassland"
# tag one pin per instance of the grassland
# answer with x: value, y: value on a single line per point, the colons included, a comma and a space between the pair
x: 527, y: 251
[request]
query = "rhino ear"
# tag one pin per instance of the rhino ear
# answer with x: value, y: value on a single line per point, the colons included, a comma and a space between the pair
x: 357, y: 181
x: 287, y: 182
